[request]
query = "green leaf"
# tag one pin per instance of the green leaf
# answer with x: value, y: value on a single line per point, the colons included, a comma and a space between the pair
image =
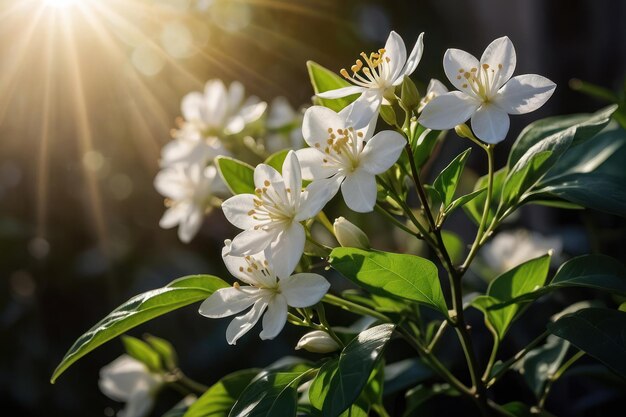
x: 586, y: 125
x: 454, y: 245
x: 464, y: 199
x: 238, y: 176
x: 599, y: 332
x: 340, y: 382
x: 142, y: 351
x: 595, y: 271
x: 423, y: 143
x: 323, y: 80
x: 597, y: 191
x: 522, y: 179
x: 406, y: 373
x: 386, y: 274
x: 276, y: 159
x: 272, y: 394
x: 538, y: 366
x: 138, y: 310
x: 218, y: 400
x: 165, y: 350
x: 522, y: 279
x: 474, y: 208
x: 448, y: 180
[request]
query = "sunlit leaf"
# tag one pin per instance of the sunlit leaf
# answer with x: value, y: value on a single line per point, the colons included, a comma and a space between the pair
x: 340, y: 381
x: 323, y: 80
x: 238, y: 176
x: 391, y: 274
x: 276, y: 159
x: 448, y: 179
x: 138, y: 310
x: 219, y: 399
x: 143, y: 352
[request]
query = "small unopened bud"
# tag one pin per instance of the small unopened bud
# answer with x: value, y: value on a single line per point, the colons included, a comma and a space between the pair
x: 317, y: 341
x: 464, y: 131
x: 348, y: 235
x: 410, y: 97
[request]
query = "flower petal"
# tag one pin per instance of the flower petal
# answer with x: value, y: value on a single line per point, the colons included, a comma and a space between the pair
x: 303, y: 290
x: 236, y: 92
x: 234, y: 125
x: 490, y: 123
x: 312, y: 164
x: 215, y: 96
x: 395, y: 50
x: 252, y: 109
x: 315, y: 197
x: 190, y: 224
x: 191, y: 106
x: 414, y: 58
x: 316, y: 123
x: 455, y: 60
x: 173, y: 215
x: 359, y: 191
x: 140, y: 402
x: 381, y: 152
x: 286, y: 250
x: 242, y: 324
x: 500, y: 56
x: 119, y: 378
x: 342, y: 92
x: 292, y: 175
x: 252, y: 241
x: 236, y: 210
x: 275, y: 317
x: 524, y: 93
x: 238, y: 267
x: 448, y: 110
x: 362, y: 113
x: 276, y: 187
x: 228, y: 301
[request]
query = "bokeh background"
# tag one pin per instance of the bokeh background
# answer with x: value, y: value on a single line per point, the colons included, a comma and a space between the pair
x: 89, y: 90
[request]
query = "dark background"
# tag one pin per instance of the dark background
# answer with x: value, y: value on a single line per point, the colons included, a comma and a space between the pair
x: 81, y: 130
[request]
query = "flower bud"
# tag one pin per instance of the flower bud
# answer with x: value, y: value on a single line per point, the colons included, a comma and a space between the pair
x: 317, y: 341
x: 464, y: 131
x: 348, y: 235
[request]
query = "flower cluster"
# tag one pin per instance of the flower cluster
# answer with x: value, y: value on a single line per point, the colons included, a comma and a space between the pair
x: 344, y: 153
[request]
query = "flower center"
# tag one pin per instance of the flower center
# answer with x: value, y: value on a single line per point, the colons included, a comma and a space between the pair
x: 271, y: 205
x: 342, y: 148
x: 260, y: 272
x: 372, y: 75
x: 480, y: 81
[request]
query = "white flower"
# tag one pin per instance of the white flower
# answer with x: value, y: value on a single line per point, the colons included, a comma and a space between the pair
x: 317, y: 341
x: 190, y: 147
x: 189, y: 191
x: 263, y: 292
x: 219, y: 110
x: 346, y: 154
x: 271, y: 217
x: 285, y: 125
x: 378, y: 73
x: 128, y: 380
x: 509, y: 249
x: 435, y: 88
x: 487, y: 93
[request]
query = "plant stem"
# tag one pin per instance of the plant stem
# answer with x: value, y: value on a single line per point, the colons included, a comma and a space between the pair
x: 492, y: 357
x: 380, y: 410
x: 554, y: 377
x: 355, y: 308
x: 189, y: 383
x: 322, y: 218
x: 519, y: 355
x: 483, y: 221
x: 396, y: 222
x: 437, y: 336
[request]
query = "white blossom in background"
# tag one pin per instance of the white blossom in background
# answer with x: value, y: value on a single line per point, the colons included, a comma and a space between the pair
x: 509, y: 249
x: 271, y: 217
x: 346, y: 155
x: 190, y: 193
x: 285, y: 126
x: 208, y: 117
x: 265, y: 293
x: 435, y: 88
x: 379, y: 73
x: 129, y: 381
x: 487, y: 93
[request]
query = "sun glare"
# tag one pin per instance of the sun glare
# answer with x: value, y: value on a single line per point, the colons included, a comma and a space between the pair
x: 59, y: 4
